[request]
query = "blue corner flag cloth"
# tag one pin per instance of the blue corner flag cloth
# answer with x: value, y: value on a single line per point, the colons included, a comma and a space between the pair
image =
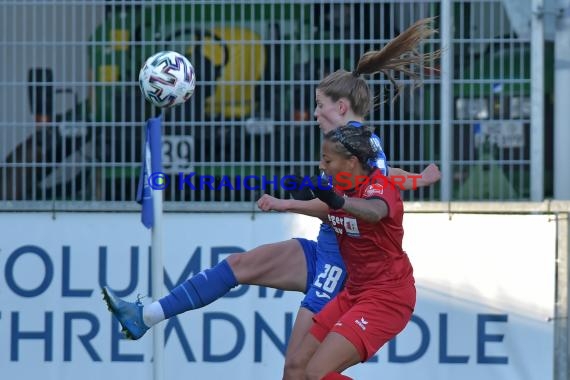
x: 151, y: 163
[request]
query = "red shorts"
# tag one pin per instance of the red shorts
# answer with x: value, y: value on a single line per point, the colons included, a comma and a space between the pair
x: 369, y: 319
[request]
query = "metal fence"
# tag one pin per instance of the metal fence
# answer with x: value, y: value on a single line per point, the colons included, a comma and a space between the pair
x: 71, y: 126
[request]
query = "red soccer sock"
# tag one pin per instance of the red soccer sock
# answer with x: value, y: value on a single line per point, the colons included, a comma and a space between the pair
x: 335, y: 376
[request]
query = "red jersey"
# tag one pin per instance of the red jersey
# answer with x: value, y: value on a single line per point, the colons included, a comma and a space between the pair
x: 372, y: 252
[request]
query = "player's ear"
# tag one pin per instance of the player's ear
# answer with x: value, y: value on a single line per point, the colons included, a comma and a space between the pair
x: 343, y: 106
x: 354, y: 162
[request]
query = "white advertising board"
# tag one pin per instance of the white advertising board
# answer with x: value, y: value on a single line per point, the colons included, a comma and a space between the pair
x: 485, y: 292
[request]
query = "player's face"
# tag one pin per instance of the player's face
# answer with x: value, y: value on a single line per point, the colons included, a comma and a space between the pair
x: 332, y: 163
x: 327, y: 112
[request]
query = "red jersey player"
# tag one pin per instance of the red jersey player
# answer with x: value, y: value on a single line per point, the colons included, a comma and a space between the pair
x: 379, y: 296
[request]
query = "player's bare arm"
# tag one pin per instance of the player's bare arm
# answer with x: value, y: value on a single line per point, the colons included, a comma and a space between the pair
x: 427, y: 177
x: 313, y: 207
x: 369, y: 210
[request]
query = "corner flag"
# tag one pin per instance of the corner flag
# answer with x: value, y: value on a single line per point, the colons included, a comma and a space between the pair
x: 151, y: 163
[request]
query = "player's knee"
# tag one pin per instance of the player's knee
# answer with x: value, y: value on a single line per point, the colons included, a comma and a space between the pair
x: 243, y: 266
x: 234, y: 261
x: 294, y: 367
x: 313, y: 373
x: 239, y: 265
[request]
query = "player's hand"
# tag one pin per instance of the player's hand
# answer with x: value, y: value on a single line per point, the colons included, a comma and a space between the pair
x: 323, y: 190
x: 430, y: 174
x: 270, y: 203
x: 297, y: 188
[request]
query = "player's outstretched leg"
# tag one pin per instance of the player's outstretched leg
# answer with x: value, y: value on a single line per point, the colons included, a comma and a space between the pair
x: 194, y: 293
x: 267, y: 265
x: 129, y: 314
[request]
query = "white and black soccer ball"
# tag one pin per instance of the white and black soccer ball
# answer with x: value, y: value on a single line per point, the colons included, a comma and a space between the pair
x: 167, y: 78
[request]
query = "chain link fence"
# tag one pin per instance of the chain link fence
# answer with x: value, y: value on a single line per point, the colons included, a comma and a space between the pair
x: 71, y: 126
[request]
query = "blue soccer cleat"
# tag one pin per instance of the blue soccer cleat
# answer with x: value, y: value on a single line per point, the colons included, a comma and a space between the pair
x: 129, y: 314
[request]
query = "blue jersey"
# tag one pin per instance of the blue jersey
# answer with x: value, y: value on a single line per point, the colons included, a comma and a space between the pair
x: 380, y: 162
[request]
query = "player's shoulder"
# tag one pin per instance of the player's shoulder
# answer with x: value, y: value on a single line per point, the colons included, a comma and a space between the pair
x: 373, y: 190
x: 378, y: 186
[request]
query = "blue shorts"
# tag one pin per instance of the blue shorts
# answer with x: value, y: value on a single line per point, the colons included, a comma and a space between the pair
x: 326, y: 272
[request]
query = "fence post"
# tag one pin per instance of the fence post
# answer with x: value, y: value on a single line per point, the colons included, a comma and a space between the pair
x: 446, y: 97
x: 537, y: 102
x: 562, y: 106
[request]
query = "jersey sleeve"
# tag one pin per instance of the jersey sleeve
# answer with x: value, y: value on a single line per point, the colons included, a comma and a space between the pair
x: 384, y: 190
x: 380, y: 160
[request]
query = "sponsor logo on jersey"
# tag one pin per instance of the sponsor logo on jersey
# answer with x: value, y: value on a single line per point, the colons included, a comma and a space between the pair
x: 374, y: 190
x: 341, y: 224
x: 351, y: 226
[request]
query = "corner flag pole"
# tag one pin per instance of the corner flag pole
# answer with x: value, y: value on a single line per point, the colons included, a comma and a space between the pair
x: 149, y: 195
x: 157, y: 278
x: 157, y: 272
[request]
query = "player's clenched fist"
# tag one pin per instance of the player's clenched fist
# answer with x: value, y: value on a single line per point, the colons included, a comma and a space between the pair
x: 270, y: 203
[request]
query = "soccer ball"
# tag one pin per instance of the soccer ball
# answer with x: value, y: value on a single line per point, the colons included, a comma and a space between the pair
x: 167, y: 78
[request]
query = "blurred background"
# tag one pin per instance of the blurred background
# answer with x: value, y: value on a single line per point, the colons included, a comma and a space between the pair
x: 72, y: 115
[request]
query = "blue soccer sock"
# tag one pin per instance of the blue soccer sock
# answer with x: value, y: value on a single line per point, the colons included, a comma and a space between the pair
x: 199, y: 290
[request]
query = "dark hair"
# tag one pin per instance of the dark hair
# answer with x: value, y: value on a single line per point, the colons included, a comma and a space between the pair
x: 400, y: 55
x: 351, y: 140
